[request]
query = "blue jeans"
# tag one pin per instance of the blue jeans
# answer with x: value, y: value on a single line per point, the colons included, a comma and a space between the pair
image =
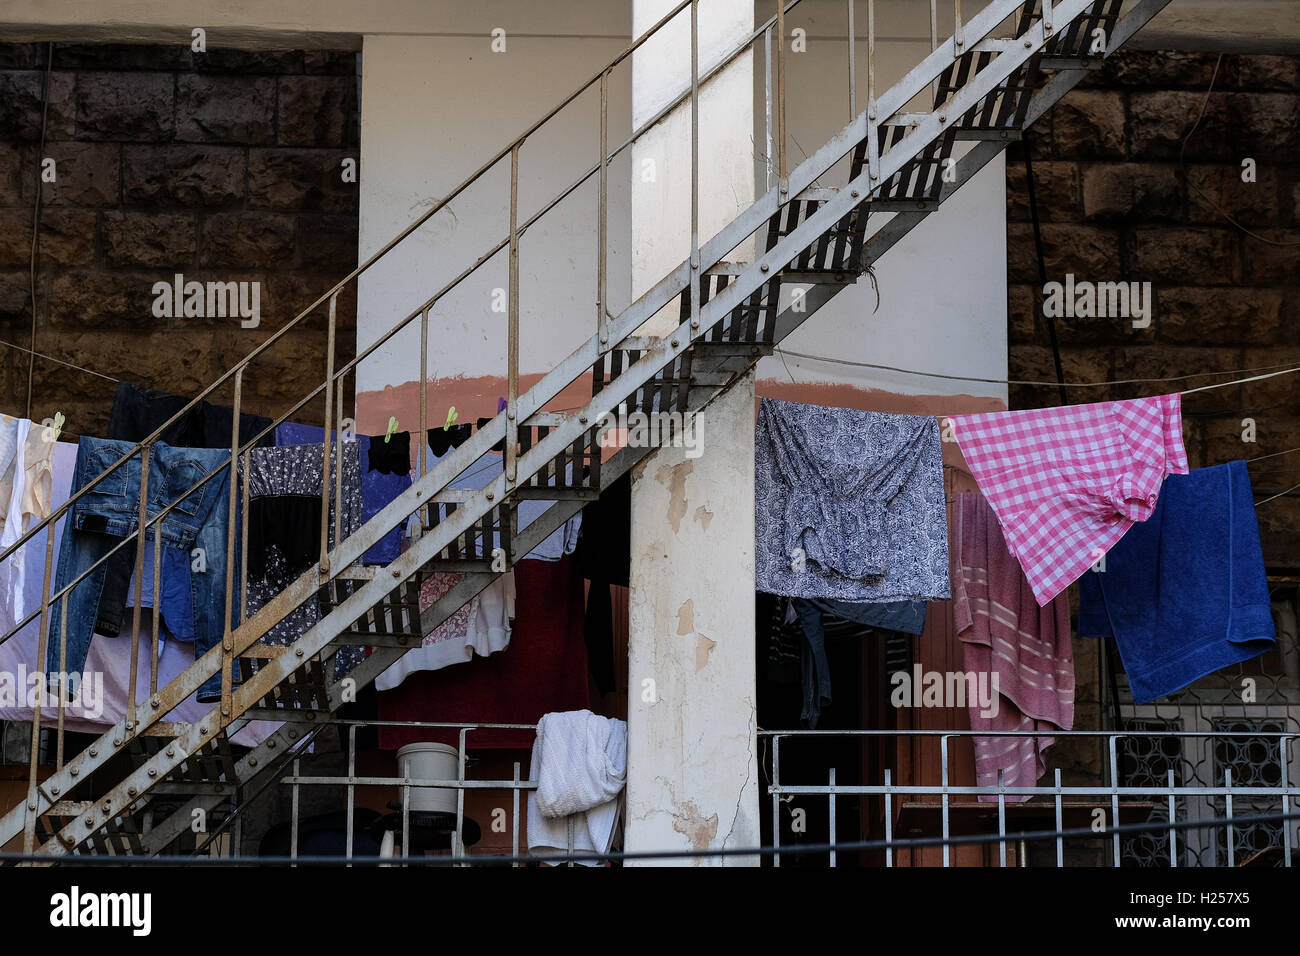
x: 109, y: 512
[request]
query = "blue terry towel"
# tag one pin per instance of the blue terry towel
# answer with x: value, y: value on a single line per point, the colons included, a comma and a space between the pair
x: 1184, y: 593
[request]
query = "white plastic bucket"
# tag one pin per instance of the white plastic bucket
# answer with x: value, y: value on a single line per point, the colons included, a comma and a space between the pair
x: 428, y: 761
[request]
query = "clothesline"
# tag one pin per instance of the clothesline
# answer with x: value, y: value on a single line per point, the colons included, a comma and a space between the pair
x: 51, y: 358
x: 1273, y: 369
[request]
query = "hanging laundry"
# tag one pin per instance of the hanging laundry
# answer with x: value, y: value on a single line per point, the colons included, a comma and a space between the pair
x: 481, y: 626
x: 442, y: 440
x: 103, y: 703
x: 906, y: 617
x: 544, y: 669
x: 849, y: 504
x: 284, y: 527
x: 1019, y: 650
x: 1066, y: 483
x: 139, y: 411
x: 598, y: 634
x: 108, y: 512
x: 62, y: 459
x: 499, y: 446
x: 579, y: 763
x: 13, y: 479
x: 604, y: 547
x: 385, y: 475
x: 1184, y: 593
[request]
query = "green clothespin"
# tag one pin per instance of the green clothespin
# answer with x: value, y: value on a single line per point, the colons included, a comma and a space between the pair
x: 54, y: 427
x: 392, y: 427
x: 451, y: 418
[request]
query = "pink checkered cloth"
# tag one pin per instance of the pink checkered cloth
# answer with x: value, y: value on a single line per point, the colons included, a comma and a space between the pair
x: 1066, y: 483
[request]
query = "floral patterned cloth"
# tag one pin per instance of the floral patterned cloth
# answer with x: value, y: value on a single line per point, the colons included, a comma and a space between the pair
x: 849, y: 504
x: 456, y: 626
x: 296, y: 471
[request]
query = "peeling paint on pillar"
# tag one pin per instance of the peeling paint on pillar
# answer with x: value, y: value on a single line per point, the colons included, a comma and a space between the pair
x: 674, y: 478
x: 693, y: 779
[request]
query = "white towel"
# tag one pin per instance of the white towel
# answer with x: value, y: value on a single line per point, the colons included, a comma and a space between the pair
x: 579, y: 763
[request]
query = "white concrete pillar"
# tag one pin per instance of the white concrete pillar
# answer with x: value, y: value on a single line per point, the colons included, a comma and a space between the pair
x: 692, y: 762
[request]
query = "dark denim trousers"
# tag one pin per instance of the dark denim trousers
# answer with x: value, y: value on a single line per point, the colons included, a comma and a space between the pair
x: 139, y: 411
x: 110, y: 511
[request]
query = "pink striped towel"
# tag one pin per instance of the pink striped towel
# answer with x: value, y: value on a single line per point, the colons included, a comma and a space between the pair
x: 1006, y: 635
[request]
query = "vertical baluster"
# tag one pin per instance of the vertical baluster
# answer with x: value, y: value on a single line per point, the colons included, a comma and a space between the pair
x: 1285, y: 779
x: 873, y: 142
x: 352, y: 789
x: 1002, y: 818
x: 42, y: 644
x: 957, y: 38
x: 602, y: 226
x: 889, y: 819
x: 293, y: 811
x: 329, y: 425
x: 422, y: 455
x: 782, y: 169
x: 1173, y: 834
x: 767, y: 102
x: 934, y: 43
x: 943, y: 766
x: 831, y: 821
x: 157, y: 605
x: 338, y: 464
x: 227, y: 640
x: 142, y: 534
x: 62, y: 678
x: 1060, y: 841
x: 514, y: 816
x: 1231, y: 835
x: 512, y: 344
x: 695, y: 164
x: 1114, y: 798
x: 776, y: 800
x: 853, y: 69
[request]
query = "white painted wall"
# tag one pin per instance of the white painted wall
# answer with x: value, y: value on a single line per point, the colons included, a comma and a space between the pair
x: 942, y: 289
x: 433, y: 110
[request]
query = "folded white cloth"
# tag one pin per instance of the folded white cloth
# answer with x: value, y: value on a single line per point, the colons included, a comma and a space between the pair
x: 579, y: 764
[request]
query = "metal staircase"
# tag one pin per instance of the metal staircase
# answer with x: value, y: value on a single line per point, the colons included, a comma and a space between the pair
x: 136, y: 789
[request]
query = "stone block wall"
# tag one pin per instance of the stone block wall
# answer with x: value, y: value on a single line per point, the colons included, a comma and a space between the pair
x: 1125, y: 194
x: 221, y: 166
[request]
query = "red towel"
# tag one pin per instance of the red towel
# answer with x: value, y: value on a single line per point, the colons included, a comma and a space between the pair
x: 1005, y: 633
x: 544, y: 669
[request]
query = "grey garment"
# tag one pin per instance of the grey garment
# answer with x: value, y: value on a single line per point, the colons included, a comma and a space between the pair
x: 849, y: 504
x: 298, y: 470
x: 15, y: 741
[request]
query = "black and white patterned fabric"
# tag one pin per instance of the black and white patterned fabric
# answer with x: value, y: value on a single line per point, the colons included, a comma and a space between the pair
x: 282, y: 480
x: 849, y: 504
